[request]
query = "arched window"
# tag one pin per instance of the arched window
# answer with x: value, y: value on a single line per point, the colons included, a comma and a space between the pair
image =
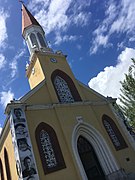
x: 64, y: 87
x: 41, y: 40
x: 49, y: 149
x: 63, y: 90
x: 1, y: 171
x: 89, y: 160
x: 7, y: 165
x: 114, y: 133
x: 33, y: 40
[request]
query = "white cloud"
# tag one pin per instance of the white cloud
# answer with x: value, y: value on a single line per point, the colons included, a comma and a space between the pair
x: 107, y: 82
x: 58, y: 15
x: 3, y: 29
x: 13, y: 64
x: 81, y: 18
x: 119, y: 18
x: 52, y: 15
x: 59, y: 39
x: 6, y: 97
x: 2, y: 61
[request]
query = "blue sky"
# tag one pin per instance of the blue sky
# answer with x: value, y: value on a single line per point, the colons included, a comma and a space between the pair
x: 98, y: 37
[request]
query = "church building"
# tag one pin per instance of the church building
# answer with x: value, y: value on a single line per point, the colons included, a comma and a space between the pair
x: 61, y: 129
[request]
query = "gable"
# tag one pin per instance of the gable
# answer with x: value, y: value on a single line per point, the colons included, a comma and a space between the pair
x: 42, y: 94
x: 90, y: 94
x: 38, y: 95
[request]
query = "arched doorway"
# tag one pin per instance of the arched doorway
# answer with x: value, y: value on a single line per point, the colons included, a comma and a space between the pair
x: 101, y: 149
x: 89, y: 160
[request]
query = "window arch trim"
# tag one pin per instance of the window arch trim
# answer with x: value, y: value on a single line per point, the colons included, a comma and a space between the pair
x: 69, y: 82
x: 55, y: 146
x: 41, y: 39
x: 33, y: 40
x: 114, y: 133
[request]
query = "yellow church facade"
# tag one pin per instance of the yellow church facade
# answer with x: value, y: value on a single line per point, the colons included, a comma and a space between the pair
x: 61, y: 129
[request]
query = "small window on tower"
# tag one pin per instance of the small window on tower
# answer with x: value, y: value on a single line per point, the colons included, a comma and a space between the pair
x: 41, y: 40
x: 33, y: 40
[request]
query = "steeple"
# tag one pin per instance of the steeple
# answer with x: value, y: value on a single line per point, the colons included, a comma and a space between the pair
x: 33, y: 32
x: 28, y: 19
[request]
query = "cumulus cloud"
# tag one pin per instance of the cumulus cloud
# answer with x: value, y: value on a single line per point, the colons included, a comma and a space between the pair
x: 58, y: 15
x: 107, y: 82
x: 6, y: 97
x: 119, y: 18
x: 13, y: 64
x: 3, y: 30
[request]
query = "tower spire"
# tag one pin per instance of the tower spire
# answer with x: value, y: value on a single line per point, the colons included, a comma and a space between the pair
x: 28, y: 19
x: 32, y: 32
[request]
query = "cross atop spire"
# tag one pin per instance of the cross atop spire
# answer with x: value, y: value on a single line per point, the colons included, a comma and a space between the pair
x: 27, y: 19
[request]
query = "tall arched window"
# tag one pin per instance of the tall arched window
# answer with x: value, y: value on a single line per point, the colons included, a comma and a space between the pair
x: 89, y: 160
x: 63, y: 90
x: 41, y: 40
x: 33, y: 40
x: 49, y: 148
x: 1, y: 171
x: 64, y: 87
x: 7, y: 165
x: 114, y: 133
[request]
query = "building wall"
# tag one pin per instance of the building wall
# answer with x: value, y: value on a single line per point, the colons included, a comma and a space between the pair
x: 6, y: 143
x: 63, y: 120
x: 69, y: 121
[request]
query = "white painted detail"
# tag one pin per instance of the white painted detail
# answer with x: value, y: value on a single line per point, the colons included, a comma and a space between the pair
x: 79, y: 119
x: 24, y: 156
x: 103, y: 152
x: 33, y: 70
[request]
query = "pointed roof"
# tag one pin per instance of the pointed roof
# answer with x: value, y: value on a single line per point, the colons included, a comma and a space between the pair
x: 27, y: 19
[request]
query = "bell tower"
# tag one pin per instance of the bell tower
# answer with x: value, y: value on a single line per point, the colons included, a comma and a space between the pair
x: 44, y: 64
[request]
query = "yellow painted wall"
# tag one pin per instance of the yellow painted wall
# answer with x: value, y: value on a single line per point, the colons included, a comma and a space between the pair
x: 34, y: 118
x: 63, y: 118
x: 36, y: 74
x: 42, y: 61
x: 6, y: 142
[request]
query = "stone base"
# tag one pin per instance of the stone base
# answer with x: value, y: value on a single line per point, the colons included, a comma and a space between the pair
x: 117, y: 175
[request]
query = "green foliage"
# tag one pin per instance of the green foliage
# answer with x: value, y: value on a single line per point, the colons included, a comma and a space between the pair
x: 127, y: 96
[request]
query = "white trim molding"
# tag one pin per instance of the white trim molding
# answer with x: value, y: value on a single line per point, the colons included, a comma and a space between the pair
x: 104, y: 155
